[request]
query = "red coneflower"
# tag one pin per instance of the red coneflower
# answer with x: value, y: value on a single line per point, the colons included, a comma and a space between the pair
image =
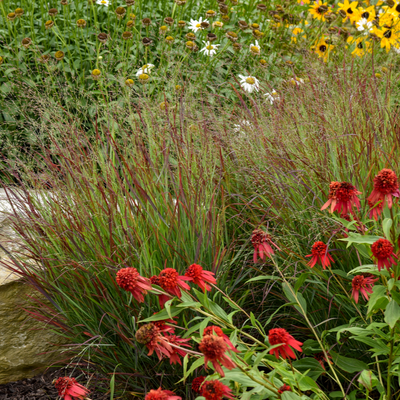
x: 160, y: 394
x: 177, y: 341
x: 375, y: 209
x: 69, y: 388
x: 152, y: 338
x: 210, y: 330
x: 320, y: 255
x: 385, y: 186
x: 197, y: 382
x: 281, y: 336
x: 284, y: 388
x: 214, y: 349
x: 342, y: 197
x: 321, y: 358
x: 171, y: 282
x: 382, y: 251
x: 261, y: 242
x: 200, y: 277
x: 162, y: 325
x: 130, y: 280
x: 215, y: 390
x: 362, y: 284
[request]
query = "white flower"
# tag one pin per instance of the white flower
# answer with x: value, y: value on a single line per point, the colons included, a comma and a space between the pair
x: 196, y: 25
x: 364, y: 25
x: 146, y: 69
x: 255, y: 48
x: 249, y: 83
x: 242, y: 124
x: 396, y: 49
x: 272, y: 96
x: 296, y: 81
x: 103, y: 2
x: 209, y: 49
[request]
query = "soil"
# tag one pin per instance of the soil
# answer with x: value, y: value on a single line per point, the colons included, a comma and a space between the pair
x: 41, y: 387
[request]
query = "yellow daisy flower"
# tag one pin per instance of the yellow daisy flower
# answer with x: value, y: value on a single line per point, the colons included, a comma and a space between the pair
x: 322, y: 48
x: 318, y: 10
x: 389, y: 36
x: 349, y: 11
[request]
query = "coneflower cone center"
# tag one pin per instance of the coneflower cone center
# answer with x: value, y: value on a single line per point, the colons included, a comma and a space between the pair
x: 382, y: 248
x: 213, y: 347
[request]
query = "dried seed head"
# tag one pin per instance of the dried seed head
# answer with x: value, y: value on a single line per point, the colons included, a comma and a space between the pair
x: 146, y: 41
x: 130, y: 2
x: 81, y: 23
x: 204, y: 25
x: 127, y: 35
x: 64, y: 2
x: 169, y: 21
x: 120, y: 12
x: 232, y: 36
x: 129, y: 82
x: 243, y: 25
x: 53, y: 12
x: 146, y: 21
x: 26, y: 42
x: 49, y: 24
x: 181, y: 24
x: 261, y: 7
x: 59, y: 55
x: 102, y: 37
x: 44, y: 58
x: 169, y: 40
x: 211, y: 37
x: 19, y: 12
x: 211, y: 14
x: 11, y: 16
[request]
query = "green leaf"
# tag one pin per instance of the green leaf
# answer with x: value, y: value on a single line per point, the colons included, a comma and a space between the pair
x: 300, y: 281
x: 362, y: 239
x: 379, y: 292
x: 198, y: 363
x: 163, y: 314
x: 347, y: 364
x: 386, y: 225
x: 292, y: 298
x: 264, y: 277
x: 311, y: 365
x: 392, y: 313
x: 290, y: 396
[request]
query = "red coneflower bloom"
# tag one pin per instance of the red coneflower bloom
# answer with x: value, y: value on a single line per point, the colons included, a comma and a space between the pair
x: 375, y: 209
x: 261, y: 242
x: 210, y: 330
x: 214, y: 349
x: 200, y: 277
x: 152, y: 338
x: 162, y: 325
x: 281, y: 336
x: 320, y: 255
x: 171, y: 282
x: 382, y: 251
x: 284, y: 388
x: 362, y: 284
x: 160, y: 394
x: 177, y: 341
x: 385, y: 186
x: 320, y: 357
x: 130, y: 280
x: 69, y: 388
x: 197, y: 382
x: 215, y: 390
x: 342, y: 197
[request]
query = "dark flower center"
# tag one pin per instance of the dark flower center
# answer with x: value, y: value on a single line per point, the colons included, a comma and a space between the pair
x: 360, y: 45
x: 349, y: 11
x: 322, y: 48
x: 388, y: 34
x: 365, y: 14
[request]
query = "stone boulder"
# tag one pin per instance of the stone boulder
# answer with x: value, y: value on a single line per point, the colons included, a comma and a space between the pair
x: 27, y: 346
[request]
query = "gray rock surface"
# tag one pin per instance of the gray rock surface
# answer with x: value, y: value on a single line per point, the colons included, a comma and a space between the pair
x: 27, y: 346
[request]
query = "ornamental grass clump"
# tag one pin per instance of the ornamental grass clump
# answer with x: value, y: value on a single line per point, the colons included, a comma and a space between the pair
x: 137, y: 225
